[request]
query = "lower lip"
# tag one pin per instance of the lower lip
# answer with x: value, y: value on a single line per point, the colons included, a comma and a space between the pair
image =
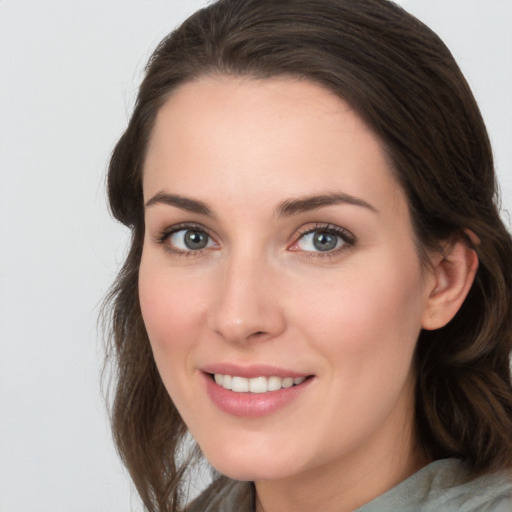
x: 252, y: 405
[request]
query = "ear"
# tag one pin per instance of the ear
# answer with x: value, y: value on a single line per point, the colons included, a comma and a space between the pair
x: 452, y: 274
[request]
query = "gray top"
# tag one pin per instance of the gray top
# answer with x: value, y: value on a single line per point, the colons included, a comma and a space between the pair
x: 441, y: 486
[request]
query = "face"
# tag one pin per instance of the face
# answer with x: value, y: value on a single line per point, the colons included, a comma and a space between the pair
x: 280, y: 283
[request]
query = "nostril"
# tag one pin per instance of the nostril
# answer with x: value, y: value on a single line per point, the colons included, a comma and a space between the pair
x: 258, y: 334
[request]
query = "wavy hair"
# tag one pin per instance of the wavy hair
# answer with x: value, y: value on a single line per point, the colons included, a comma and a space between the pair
x: 403, y: 81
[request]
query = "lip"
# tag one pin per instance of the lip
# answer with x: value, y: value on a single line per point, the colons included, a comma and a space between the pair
x: 251, y: 371
x: 251, y: 405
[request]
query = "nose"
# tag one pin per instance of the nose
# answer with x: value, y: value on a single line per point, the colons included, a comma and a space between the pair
x: 246, y: 306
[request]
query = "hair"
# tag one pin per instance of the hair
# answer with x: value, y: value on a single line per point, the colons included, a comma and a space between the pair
x: 404, y: 83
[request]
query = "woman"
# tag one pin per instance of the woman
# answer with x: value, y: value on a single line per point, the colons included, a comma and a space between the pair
x: 318, y: 286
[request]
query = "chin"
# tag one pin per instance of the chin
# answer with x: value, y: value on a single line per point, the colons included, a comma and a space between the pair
x: 253, y: 472
x: 240, y: 465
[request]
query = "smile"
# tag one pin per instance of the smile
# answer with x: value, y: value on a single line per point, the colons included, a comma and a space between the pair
x: 256, y: 384
x: 259, y: 393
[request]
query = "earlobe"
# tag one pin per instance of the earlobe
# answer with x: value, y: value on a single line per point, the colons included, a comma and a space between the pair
x: 453, y: 273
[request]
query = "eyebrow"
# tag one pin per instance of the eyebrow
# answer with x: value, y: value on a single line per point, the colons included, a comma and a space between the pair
x: 184, y: 203
x: 285, y: 209
x: 306, y: 204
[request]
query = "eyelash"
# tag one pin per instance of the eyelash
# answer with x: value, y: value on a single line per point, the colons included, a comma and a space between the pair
x: 167, y: 233
x: 347, y: 238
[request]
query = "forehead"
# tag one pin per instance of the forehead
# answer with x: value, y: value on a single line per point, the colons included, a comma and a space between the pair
x: 222, y: 136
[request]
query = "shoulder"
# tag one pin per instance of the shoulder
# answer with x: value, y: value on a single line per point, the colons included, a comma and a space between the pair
x: 447, y: 485
x: 442, y: 485
x: 224, y: 495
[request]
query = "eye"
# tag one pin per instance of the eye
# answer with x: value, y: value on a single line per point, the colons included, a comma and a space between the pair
x: 319, y: 241
x: 187, y: 239
x: 190, y: 239
x: 323, y: 239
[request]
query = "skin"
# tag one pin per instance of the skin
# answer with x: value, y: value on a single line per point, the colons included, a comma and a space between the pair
x: 261, y: 292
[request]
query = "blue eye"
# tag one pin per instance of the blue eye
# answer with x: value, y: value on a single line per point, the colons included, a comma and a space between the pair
x: 190, y: 239
x: 319, y: 241
x: 324, y: 239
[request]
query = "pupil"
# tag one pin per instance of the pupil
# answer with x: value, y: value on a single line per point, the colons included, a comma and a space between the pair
x: 324, y: 241
x: 195, y: 240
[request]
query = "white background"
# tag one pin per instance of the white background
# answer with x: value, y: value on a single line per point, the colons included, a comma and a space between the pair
x: 68, y: 74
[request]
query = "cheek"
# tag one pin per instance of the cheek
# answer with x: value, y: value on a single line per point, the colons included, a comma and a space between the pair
x: 370, y: 315
x: 172, y: 310
x: 172, y: 314
x: 366, y: 330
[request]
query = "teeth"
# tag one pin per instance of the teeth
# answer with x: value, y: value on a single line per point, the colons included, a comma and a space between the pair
x: 256, y: 384
x: 227, y: 381
x: 274, y: 383
x: 240, y: 385
x: 287, y: 382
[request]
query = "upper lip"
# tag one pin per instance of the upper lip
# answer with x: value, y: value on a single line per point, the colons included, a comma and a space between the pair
x: 251, y: 370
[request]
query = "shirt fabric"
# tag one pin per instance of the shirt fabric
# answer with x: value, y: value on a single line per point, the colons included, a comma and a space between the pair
x: 443, y: 485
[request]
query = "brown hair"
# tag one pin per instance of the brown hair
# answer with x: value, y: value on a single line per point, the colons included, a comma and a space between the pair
x: 405, y: 84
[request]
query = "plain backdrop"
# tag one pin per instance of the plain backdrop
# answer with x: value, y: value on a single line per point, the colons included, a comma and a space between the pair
x: 69, y: 70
